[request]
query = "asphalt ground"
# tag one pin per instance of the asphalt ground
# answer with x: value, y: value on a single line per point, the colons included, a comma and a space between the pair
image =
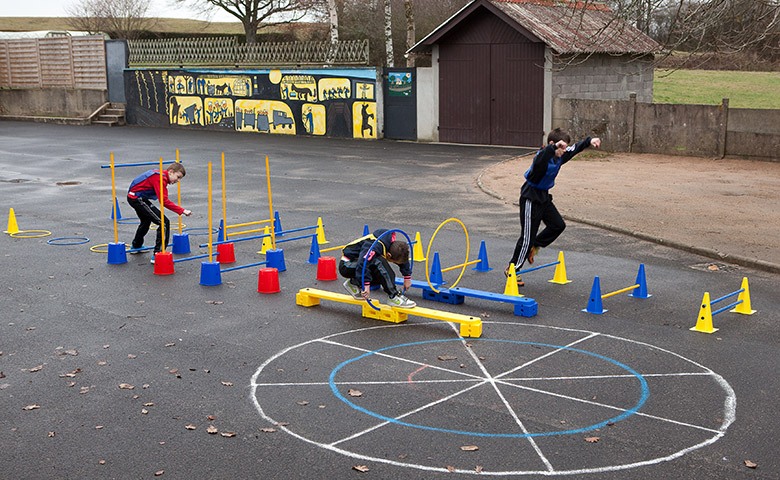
x: 295, y: 392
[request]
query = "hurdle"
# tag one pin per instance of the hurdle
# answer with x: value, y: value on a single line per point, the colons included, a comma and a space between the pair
x: 559, y: 276
x: 469, y: 326
x: 743, y: 306
x: 638, y: 290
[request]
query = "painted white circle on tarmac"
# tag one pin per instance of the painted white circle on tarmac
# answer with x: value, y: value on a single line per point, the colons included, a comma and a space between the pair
x: 528, y: 400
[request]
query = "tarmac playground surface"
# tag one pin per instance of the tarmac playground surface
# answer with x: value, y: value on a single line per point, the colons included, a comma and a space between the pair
x: 110, y: 371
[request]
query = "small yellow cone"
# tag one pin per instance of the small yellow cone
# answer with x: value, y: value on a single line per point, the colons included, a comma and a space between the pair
x: 511, y: 283
x: 744, y: 307
x: 559, y: 276
x: 320, y: 232
x: 704, y: 322
x: 12, y: 225
x: 267, y: 245
x: 417, y: 251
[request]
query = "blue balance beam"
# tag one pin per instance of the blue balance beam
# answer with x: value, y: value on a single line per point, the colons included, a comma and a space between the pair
x: 523, y: 306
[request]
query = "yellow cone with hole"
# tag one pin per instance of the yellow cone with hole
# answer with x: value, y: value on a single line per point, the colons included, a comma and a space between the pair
x: 267, y: 244
x: 417, y: 251
x: 511, y: 282
x: 320, y: 232
x: 559, y: 276
x: 744, y: 306
x: 704, y: 321
x: 12, y: 225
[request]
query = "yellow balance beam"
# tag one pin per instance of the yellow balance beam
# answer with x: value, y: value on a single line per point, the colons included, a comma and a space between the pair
x: 469, y: 326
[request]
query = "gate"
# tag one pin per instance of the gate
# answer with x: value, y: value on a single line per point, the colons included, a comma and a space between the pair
x: 400, y: 98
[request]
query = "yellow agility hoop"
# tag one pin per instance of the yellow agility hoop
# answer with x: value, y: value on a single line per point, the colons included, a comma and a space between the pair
x: 428, y: 253
x: 99, y: 248
x: 30, y: 234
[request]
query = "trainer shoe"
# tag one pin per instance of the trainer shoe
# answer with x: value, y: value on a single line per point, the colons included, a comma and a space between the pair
x: 520, y: 282
x: 401, y: 301
x: 352, y: 289
x: 152, y: 260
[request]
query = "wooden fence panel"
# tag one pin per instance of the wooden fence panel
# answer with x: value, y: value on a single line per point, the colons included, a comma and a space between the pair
x: 54, y: 62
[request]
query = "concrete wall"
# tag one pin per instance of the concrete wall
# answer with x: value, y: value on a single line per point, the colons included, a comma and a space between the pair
x: 51, y: 102
x: 117, y: 55
x: 427, y: 101
x: 604, y: 77
x: 695, y: 130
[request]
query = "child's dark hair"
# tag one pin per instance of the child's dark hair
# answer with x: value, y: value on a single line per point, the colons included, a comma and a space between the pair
x: 177, y: 167
x: 557, y: 135
x: 399, y: 251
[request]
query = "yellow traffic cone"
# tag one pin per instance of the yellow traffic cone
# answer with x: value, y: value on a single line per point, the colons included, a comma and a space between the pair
x: 417, y: 251
x: 511, y: 283
x: 559, y: 276
x: 12, y: 225
x: 320, y: 232
x: 744, y: 307
x: 267, y: 245
x: 704, y: 322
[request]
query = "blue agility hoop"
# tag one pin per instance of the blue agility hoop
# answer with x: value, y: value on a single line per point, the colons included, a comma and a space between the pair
x: 62, y: 241
x: 363, y: 272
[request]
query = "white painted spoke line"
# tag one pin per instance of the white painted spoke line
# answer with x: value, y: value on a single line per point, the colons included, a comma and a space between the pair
x: 411, y: 412
x: 617, y: 375
x: 548, y: 354
x: 370, y: 382
x: 414, y: 362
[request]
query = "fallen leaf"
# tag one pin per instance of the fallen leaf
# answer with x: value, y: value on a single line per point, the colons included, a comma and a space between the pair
x: 2, y: 375
x: 36, y: 369
x: 71, y: 352
x: 227, y: 384
x: 302, y: 403
x: 478, y: 469
x: 214, y: 302
x: 268, y: 430
x: 469, y: 448
x: 149, y: 404
x: 170, y: 344
x: 360, y: 468
x: 282, y: 424
x: 84, y: 390
x: 126, y: 386
x: 211, y: 429
x: 106, y: 346
x: 444, y: 358
x: 354, y: 393
x: 145, y: 386
x: 592, y: 439
x: 450, y: 468
x: 712, y: 267
x: 190, y: 426
x: 32, y: 407
x: 144, y: 411
x: 228, y: 434
x: 101, y: 462
x: 98, y: 427
x: 750, y: 464
x: 159, y: 473
x: 102, y: 363
x: 131, y: 356
x: 51, y: 434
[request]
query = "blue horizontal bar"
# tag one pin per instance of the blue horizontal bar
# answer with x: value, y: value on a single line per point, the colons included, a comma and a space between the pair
x: 537, y: 268
x: 194, y: 257
x: 243, y: 266
x: 139, y: 164
x: 726, y: 296
x: 726, y: 307
x: 296, y: 238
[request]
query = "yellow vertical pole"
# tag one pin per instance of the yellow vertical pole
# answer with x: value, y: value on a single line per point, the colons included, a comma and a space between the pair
x: 211, y: 221
x: 224, y: 201
x: 162, y: 207
x: 270, y: 202
x: 113, y: 199
x: 178, y: 195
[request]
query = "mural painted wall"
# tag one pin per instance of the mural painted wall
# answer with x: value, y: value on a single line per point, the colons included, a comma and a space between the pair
x: 328, y: 102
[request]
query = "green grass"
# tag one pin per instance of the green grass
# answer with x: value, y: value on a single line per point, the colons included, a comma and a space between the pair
x: 710, y: 87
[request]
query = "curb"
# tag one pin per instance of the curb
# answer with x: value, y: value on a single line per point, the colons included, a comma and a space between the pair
x: 704, y: 252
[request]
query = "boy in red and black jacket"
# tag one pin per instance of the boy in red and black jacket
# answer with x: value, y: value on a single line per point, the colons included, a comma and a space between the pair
x: 143, y: 191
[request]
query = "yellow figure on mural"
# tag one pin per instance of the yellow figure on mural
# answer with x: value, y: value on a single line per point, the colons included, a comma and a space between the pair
x: 364, y: 119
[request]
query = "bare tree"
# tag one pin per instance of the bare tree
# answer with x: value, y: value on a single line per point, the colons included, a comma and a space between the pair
x: 117, y: 18
x: 410, y: 31
x: 389, y: 60
x: 257, y: 14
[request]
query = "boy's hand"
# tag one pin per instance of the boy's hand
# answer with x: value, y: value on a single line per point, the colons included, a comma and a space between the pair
x: 560, y: 148
x: 407, y: 284
x: 366, y: 293
x: 595, y: 142
x: 187, y: 213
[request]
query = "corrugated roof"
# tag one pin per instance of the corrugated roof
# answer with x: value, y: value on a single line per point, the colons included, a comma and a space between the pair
x: 565, y: 26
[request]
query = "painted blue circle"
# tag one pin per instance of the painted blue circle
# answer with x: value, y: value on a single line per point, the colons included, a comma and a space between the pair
x: 645, y: 392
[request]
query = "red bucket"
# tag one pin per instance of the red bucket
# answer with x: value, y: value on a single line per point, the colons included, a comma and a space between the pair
x: 163, y: 263
x: 226, y: 253
x: 268, y: 280
x: 326, y: 269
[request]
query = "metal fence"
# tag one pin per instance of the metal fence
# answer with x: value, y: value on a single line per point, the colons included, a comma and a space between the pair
x: 55, y: 62
x: 226, y: 52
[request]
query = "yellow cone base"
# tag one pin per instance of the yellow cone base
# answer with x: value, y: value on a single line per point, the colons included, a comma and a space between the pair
x: 559, y: 276
x: 13, y: 227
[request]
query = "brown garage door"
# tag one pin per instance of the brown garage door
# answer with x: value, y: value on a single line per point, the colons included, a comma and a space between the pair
x: 464, y: 93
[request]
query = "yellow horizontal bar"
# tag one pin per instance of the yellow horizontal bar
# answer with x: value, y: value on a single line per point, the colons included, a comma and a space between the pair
x: 242, y: 232
x: 330, y: 249
x: 246, y: 224
x: 461, y: 265
x: 618, y: 292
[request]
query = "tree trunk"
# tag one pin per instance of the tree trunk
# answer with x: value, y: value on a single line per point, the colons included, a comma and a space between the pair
x: 334, y: 31
x: 410, y: 32
x: 389, y: 34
